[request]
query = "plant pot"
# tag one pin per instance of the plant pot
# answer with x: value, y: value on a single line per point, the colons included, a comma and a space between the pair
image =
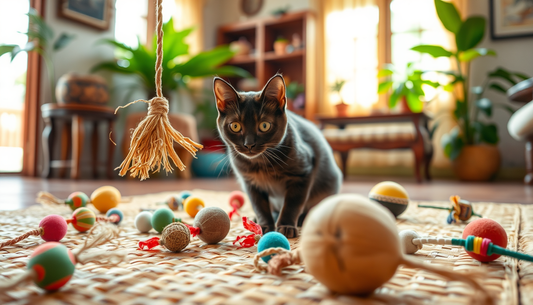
x: 477, y: 162
x: 280, y: 47
x: 89, y: 89
x: 342, y: 109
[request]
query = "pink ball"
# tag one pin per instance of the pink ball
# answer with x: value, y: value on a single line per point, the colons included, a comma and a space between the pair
x: 54, y: 228
x: 236, y: 199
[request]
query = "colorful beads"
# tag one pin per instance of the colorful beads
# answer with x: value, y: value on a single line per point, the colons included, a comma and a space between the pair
x: 105, y: 198
x: 77, y: 200
x: 53, y: 228
x: 83, y: 219
x: 488, y: 229
x: 193, y: 205
x: 162, y: 218
x: 272, y: 240
x: 390, y: 195
x: 143, y: 221
x: 53, y: 265
x: 117, y: 212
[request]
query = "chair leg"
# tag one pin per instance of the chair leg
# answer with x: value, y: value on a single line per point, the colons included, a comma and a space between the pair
x: 528, y: 179
x: 48, y: 145
x: 65, y: 146
x: 419, y: 159
x: 428, y: 156
x: 77, y: 145
x: 94, y: 149
x: 344, y: 161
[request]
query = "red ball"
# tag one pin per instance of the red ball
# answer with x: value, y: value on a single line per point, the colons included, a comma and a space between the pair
x: 486, y: 228
x: 236, y: 199
x: 54, y: 228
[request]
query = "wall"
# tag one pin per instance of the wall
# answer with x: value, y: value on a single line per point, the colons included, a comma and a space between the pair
x: 515, y: 55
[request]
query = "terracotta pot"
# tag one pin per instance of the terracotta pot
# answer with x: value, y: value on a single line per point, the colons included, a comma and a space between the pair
x: 342, y: 109
x: 477, y: 162
x: 82, y: 89
x: 280, y: 47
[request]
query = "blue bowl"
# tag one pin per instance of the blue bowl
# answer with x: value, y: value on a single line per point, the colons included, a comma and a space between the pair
x: 210, y: 165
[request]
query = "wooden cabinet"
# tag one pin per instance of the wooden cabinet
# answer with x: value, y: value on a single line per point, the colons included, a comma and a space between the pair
x: 296, y: 65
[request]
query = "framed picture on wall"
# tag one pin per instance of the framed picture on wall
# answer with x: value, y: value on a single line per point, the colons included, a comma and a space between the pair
x: 511, y: 18
x: 93, y: 13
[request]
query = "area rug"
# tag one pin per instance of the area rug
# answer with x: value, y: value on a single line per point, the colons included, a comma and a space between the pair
x: 224, y: 274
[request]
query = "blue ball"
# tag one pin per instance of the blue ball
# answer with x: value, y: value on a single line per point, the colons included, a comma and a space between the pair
x: 272, y: 240
x: 182, y: 196
x: 115, y: 211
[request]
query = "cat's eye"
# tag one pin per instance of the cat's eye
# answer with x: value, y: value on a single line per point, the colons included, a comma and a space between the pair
x: 235, y: 127
x: 264, y: 126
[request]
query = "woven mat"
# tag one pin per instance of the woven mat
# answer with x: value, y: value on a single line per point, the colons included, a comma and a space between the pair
x: 223, y: 274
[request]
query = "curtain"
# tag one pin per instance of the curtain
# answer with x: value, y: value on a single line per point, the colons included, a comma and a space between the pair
x: 189, y: 13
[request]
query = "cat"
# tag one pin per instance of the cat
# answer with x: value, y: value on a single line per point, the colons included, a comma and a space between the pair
x: 281, y: 160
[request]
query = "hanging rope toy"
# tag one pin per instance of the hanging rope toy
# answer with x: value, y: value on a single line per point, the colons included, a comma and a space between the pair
x: 236, y: 201
x: 51, y: 228
x: 52, y: 265
x: 338, y: 245
x: 152, y: 141
x: 247, y: 241
x: 176, y: 236
x: 461, y: 210
x: 211, y: 225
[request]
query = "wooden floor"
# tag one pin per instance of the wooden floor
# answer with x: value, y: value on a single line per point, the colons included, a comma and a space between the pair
x: 19, y: 192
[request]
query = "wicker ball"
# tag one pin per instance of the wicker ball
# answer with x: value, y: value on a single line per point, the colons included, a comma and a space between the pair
x: 214, y: 224
x: 176, y: 236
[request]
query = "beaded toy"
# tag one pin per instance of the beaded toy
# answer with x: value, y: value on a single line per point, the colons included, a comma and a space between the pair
x: 460, y: 210
x: 103, y: 198
x: 175, y: 202
x: 176, y: 236
x: 236, y: 201
x: 338, y: 247
x: 211, y: 225
x: 83, y: 219
x: 52, y: 265
x: 482, y: 246
x: 51, y: 228
x: 247, y: 241
x: 74, y: 200
x: 192, y: 205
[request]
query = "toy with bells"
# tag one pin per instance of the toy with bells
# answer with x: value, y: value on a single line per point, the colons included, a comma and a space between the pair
x: 51, y: 228
x: 351, y: 245
x: 236, y: 201
x: 390, y: 195
x: 176, y: 236
x: 52, y: 265
x: 103, y: 198
x: 460, y: 210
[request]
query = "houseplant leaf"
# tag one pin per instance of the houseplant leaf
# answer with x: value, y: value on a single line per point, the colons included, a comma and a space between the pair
x: 435, y: 51
x: 498, y: 87
x: 7, y: 48
x: 385, y: 72
x: 452, y: 143
x: 384, y: 86
x: 448, y: 15
x: 503, y: 74
x: 470, y: 34
x: 396, y: 95
x: 485, y: 105
x: 472, y: 54
x: 488, y: 132
x: 63, y: 40
x: 414, y: 102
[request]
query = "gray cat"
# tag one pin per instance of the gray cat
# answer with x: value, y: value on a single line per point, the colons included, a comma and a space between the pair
x: 281, y: 160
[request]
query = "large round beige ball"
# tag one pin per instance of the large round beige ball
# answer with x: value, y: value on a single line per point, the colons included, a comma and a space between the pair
x: 350, y: 244
x: 214, y: 224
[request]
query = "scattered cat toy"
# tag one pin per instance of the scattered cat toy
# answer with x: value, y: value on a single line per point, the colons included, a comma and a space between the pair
x: 176, y: 236
x: 52, y: 265
x: 191, y: 204
x: 461, y: 210
x: 236, y: 201
x: 247, y: 241
x: 103, y: 198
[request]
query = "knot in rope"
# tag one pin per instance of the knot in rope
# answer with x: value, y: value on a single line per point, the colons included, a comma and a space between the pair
x: 158, y: 106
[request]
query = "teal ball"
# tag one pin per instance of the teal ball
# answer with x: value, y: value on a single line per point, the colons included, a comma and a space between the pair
x: 162, y: 218
x: 115, y: 211
x: 182, y: 196
x: 272, y: 240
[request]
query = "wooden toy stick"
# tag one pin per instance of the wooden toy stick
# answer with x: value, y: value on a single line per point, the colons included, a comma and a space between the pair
x: 152, y: 141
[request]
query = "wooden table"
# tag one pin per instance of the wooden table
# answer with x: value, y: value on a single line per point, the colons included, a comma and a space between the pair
x: 421, y: 145
x: 73, y: 116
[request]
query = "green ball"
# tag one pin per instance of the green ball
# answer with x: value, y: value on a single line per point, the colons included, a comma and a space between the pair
x: 77, y: 200
x: 53, y: 264
x: 272, y: 240
x: 162, y: 218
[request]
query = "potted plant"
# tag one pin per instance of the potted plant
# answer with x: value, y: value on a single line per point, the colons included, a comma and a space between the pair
x: 342, y: 107
x: 40, y: 40
x: 409, y: 90
x: 295, y: 98
x: 472, y: 145
x: 280, y: 45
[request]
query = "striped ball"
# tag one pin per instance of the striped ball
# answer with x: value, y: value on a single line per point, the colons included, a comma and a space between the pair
x: 391, y: 195
x: 53, y: 264
x: 77, y: 200
x: 83, y: 219
x: 115, y: 211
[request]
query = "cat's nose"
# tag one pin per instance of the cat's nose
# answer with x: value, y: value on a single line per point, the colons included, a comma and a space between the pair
x: 249, y: 146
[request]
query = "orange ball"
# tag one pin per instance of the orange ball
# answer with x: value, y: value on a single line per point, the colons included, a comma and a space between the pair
x: 486, y: 228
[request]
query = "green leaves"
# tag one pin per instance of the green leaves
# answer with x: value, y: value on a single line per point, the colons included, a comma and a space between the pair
x: 470, y: 33
x: 448, y: 15
x: 7, y: 48
x: 63, y: 40
x: 385, y: 72
x: 485, y: 105
x: 435, y: 51
x: 384, y: 86
x: 452, y: 143
x: 472, y: 54
x: 488, y: 133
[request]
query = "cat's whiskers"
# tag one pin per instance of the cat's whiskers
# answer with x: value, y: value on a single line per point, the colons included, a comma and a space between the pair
x: 265, y: 157
x: 270, y: 155
x: 281, y: 152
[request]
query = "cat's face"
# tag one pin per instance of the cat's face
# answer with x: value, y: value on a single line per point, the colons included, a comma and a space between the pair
x: 251, y: 121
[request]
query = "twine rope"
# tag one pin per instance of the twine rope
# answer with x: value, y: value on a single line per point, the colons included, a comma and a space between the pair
x: 284, y: 258
x: 151, y: 142
x: 13, y: 241
x: 105, y: 234
x: 48, y: 199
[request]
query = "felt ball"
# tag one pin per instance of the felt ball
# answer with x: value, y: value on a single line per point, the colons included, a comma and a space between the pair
x: 272, y: 240
x: 143, y: 221
x: 83, y: 219
x: 115, y: 211
x: 390, y: 195
x: 77, y: 200
x: 184, y: 195
x: 214, y: 224
x: 54, y: 228
x: 236, y: 199
x: 193, y: 205
x: 486, y: 228
x: 162, y: 218
x: 406, y: 239
x: 53, y: 264
x: 173, y: 202
x: 105, y: 198
x: 350, y: 244
x: 176, y: 236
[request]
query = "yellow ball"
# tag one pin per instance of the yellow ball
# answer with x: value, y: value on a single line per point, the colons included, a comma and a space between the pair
x: 105, y: 198
x: 390, y: 195
x: 193, y: 205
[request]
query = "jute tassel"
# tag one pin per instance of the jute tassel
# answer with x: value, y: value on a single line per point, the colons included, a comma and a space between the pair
x: 152, y: 141
x: 48, y: 199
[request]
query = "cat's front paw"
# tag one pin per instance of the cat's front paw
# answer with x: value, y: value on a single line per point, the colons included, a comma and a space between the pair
x: 288, y: 231
x: 268, y: 228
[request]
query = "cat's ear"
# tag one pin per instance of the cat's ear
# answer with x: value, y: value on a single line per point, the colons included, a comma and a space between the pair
x: 274, y: 90
x: 225, y: 94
